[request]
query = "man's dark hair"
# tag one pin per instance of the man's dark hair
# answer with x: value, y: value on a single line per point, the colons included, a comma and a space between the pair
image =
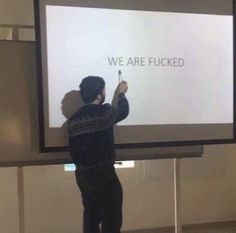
x: 90, y: 87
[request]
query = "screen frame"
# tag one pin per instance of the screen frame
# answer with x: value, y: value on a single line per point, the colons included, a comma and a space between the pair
x: 41, y: 121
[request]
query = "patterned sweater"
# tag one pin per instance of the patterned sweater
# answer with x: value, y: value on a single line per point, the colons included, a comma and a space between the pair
x: 90, y: 130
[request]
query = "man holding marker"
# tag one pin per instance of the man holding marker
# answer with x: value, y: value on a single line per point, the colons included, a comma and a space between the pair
x: 92, y: 150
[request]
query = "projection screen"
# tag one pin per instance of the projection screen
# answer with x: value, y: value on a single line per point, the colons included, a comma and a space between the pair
x: 178, y: 62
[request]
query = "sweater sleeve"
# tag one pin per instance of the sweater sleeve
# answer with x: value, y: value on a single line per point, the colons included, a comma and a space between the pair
x: 121, y: 105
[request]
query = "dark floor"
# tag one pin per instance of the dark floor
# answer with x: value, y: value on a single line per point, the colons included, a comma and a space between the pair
x: 223, y: 227
x: 211, y: 230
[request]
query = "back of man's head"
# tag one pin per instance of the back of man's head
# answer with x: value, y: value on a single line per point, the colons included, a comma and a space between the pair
x: 90, y: 87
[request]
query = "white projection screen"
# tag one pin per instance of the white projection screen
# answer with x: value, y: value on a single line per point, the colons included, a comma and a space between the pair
x: 177, y: 60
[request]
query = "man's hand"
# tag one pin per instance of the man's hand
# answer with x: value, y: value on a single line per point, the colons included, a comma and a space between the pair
x: 122, y: 87
x: 120, y: 90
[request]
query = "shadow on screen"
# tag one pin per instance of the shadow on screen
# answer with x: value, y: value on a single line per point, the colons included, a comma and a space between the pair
x: 70, y: 103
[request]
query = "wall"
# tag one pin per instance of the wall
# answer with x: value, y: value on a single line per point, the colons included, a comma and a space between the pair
x: 208, y: 193
x: 17, y: 12
x: 52, y: 200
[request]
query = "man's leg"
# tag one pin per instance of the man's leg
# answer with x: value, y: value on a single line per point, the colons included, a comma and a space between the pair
x: 91, y: 215
x: 89, y: 187
x: 112, y: 206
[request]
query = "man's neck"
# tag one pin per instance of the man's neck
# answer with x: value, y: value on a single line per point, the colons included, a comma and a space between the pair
x: 96, y: 101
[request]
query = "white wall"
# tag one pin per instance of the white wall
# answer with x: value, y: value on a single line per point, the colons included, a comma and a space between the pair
x: 53, y: 203
x: 208, y: 192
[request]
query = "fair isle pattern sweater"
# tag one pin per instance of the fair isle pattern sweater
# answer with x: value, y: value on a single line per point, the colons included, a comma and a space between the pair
x: 90, y: 131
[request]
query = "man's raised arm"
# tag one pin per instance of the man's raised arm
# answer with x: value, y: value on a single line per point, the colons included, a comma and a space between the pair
x: 119, y: 102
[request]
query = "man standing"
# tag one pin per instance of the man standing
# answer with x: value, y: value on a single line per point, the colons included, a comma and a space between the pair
x: 92, y: 150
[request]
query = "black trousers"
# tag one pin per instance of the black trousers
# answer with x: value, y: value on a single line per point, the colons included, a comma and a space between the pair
x: 102, y: 199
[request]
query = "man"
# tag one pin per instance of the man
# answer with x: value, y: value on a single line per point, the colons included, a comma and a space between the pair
x: 92, y: 150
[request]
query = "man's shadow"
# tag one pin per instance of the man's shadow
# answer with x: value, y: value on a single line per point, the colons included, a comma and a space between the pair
x: 70, y: 104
